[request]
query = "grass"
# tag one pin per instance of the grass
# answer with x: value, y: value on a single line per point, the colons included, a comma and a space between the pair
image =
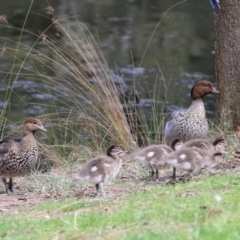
x: 185, y: 211
x: 86, y: 101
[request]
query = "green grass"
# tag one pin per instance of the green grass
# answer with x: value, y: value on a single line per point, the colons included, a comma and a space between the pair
x: 184, y: 211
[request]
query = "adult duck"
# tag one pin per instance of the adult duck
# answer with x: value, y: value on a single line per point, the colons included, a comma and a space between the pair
x: 190, y: 123
x: 18, y: 156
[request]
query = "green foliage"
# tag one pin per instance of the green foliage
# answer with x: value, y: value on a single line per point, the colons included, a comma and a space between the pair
x: 185, y: 211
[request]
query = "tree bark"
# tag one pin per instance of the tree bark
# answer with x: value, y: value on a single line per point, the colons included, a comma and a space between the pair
x: 227, y: 55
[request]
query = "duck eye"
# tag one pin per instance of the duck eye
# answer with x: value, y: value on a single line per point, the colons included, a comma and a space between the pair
x: 34, y: 122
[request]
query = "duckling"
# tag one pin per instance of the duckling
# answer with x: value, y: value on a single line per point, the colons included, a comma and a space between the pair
x: 153, y: 157
x: 190, y: 123
x: 102, y: 168
x: 217, y: 145
x: 18, y: 156
x: 193, y: 159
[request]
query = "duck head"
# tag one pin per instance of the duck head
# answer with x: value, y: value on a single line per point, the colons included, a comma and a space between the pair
x: 219, y: 157
x: 176, y: 144
x: 114, y: 150
x: 202, y: 88
x: 32, y: 125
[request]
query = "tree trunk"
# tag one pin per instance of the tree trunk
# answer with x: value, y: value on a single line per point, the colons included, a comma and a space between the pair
x: 227, y: 47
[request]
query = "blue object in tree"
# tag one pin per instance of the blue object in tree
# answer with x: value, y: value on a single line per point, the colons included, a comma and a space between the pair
x: 215, y: 4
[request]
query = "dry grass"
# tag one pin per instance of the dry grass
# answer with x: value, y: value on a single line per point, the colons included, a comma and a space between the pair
x: 87, y: 108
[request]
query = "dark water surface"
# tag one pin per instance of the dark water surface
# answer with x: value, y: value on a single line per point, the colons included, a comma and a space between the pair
x: 180, y: 50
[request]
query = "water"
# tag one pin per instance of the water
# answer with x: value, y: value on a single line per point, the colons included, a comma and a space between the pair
x: 180, y: 51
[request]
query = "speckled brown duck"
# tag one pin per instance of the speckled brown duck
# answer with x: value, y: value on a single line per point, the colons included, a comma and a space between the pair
x: 18, y: 156
x: 102, y: 168
x: 190, y: 123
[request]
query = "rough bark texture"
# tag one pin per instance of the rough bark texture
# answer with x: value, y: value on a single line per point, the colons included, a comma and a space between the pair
x: 227, y: 46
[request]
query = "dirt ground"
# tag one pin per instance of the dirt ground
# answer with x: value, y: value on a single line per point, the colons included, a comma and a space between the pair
x: 30, y: 194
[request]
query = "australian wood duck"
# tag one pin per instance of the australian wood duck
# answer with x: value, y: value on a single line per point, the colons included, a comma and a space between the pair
x: 154, y: 158
x: 190, y: 123
x: 18, y: 156
x: 193, y: 160
x: 102, y: 168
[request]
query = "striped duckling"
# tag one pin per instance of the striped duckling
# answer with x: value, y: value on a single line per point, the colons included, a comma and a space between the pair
x: 193, y: 159
x: 190, y: 123
x: 102, y: 168
x: 207, y: 147
x: 18, y: 156
x: 218, y: 144
x: 154, y: 158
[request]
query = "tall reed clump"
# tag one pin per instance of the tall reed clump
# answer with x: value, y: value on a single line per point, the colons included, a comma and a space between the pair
x: 86, y: 108
x: 83, y: 82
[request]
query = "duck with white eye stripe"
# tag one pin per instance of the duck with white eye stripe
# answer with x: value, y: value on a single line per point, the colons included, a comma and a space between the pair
x: 193, y: 160
x: 154, y: 158
x: 102, y: 168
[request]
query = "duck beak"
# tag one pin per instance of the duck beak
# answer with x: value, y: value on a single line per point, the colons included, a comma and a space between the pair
x: 42, y: 128
x: 214, y: 90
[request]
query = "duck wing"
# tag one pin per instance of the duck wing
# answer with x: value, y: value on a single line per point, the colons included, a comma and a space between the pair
x: 7, y: 144
x: 180, y: 113
x: 93, y: 171
x: 170, y: 131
